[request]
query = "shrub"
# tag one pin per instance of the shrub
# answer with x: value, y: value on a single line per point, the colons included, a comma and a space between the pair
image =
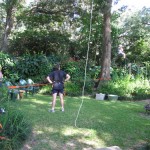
x: 72, y: 89
x: 33, y: 66
x: 127, y: 88
x: 46, y: 89
x: 31, y: 41
x: 3, y: 94
x: 141, y: 93
x: 76, y: 69
x: 15, y: 128
x: 120, y: 87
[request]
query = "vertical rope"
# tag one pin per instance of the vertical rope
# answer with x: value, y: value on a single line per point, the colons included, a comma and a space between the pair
x: 87, y: 56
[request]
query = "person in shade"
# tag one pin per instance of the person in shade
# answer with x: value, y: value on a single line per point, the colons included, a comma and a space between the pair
x: 1, y: 76
x: 57, y: 78
x: 121, y: 51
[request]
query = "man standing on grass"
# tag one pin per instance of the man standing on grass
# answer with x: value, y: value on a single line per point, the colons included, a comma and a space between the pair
x: 57, y: 78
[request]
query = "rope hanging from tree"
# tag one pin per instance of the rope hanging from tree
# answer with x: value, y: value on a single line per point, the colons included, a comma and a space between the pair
x: 87, y: 56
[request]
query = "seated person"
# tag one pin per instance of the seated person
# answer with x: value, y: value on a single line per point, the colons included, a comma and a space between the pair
x: 121, y: 51
x: 1, y: 76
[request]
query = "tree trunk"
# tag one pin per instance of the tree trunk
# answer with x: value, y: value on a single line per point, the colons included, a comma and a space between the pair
x: 8, y: 28
x: 106, y: 56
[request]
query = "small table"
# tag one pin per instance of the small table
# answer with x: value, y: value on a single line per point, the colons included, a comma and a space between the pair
x: 21, y: 93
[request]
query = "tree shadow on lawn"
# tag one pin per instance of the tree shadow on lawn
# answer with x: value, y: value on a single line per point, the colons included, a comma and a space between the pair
x: 56, y: 140
x: 47, y: 127
x: 116, y: 123
x: 101, y: 122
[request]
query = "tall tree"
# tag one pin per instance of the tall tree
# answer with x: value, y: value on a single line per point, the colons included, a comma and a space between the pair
x: 135, y: 35
x: 106, y: 54
x: 45, y: 23
x: 10, y: 7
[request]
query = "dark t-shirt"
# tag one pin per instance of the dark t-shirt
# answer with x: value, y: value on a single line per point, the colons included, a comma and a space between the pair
x: 57, y: 76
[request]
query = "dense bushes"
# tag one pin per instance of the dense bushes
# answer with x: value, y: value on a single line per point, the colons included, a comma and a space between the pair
x: 33, y: 66
x: 31, y: 41
x: 76, y: 69
x: 38, y: 66
x: 15, y: 127
x: 73, y: 89
x: 3, y: 94
x: 127, y: 88
x: 75, y: 85
x: 16, y: 130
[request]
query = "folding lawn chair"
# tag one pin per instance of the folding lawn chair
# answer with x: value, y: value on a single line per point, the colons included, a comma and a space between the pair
x: 13, y: 91
x: 24, y: 86
x: 35, y: 86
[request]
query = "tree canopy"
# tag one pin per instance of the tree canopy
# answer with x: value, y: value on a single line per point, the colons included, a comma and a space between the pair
x: 62, y: 28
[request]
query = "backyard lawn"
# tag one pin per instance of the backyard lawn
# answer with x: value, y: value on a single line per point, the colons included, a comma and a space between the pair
x: 100, y: 123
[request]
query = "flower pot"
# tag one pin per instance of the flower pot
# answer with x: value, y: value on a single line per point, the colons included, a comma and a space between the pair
x: 112, y: 97
x: 100, y: 96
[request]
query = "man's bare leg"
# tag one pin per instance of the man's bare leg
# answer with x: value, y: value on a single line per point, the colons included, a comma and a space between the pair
x: 54, y: 101
x: 61, y: 101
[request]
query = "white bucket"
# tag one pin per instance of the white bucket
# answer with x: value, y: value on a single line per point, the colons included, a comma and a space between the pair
x: 100, y: 96
x: 112, y: 97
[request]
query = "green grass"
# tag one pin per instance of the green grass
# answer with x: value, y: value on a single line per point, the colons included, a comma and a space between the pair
x: 100, y: 123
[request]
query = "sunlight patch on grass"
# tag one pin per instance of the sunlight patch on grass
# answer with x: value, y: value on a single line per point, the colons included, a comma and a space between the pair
x: 50, y: 130
x: 36, y: 101
x: 67, y: 131
x: 85, y: 97
x: 70, y: 131
x: 39, y: 132
x: 94, y: 142
x: 81, y: 97
x: 40, y: 102
x: 85, y: 136
x: 100, y: 123
x: 43, y: 91
x: 31, y: 105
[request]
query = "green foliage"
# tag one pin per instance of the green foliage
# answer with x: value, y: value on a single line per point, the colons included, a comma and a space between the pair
x: 53, y: 59
x: 89, y: 84
x: 13, y: 77
x: 77, y: 72
x: 98, y: 121
x: 96, y: 47
x: 3, y: 94
x: 136, y: 27
x: 45, y: 15
x: 127, y: 87
x: 44, y: 28
x: 94, y: 71
x: 119, y: 87
x: 43, y: 41
x: 8, y: 67
x: 141, y: 92
x: 15, y: 128
x: 75, y: 69
x: 46, y: 90
x: 118, y: 73
x: 147, y: 68
x: 3, y: 58
x: 33, y: 66
x: 104, y: 5
x: 73, y: 89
